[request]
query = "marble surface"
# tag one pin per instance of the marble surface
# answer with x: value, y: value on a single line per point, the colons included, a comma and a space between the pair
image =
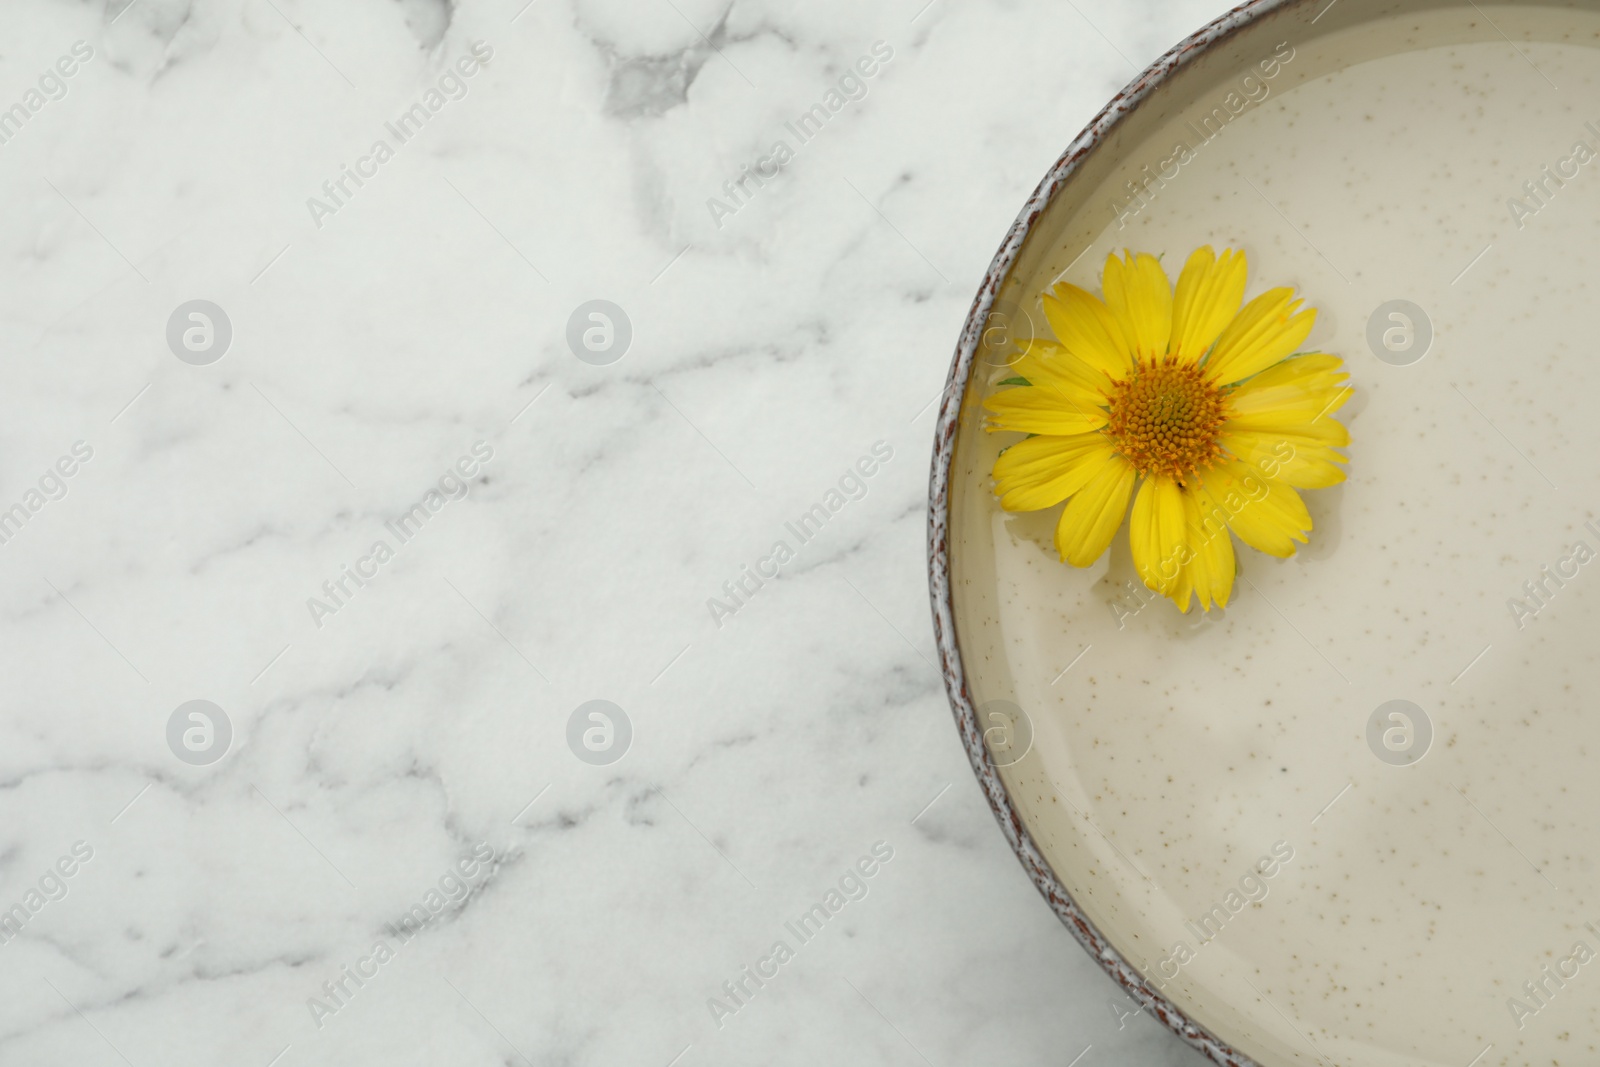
x: 391, y: 835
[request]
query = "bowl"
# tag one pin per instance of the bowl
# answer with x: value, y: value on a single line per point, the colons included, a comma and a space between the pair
x: 1344, y: 820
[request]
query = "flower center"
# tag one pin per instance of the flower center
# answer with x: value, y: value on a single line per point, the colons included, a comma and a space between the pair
x: 1164, y: 418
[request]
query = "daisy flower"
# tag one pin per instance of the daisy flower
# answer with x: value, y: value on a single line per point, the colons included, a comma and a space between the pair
x: 1200, y: 411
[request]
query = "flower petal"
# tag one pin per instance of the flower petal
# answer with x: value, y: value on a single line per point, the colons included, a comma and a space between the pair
x: 1294, y: 459
x: 1268, y: 329
x: 1289, y: 426
x: 1092, y: 516
x: 1140, y: 299
x: 1210, y: 572
x: 1292, y: 404
x: 1268, y: 515
x: 1314, y: 370
x: 1039, y: 409
x: 1043, y: 471
x: 1210, y: 290
x: 1309, y: 387
x: 1156, y: 534
x: 1083, y: 324
x: 1048, y: 364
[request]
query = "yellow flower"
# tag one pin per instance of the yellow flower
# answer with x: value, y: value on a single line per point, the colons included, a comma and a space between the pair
x: 1198, y: 410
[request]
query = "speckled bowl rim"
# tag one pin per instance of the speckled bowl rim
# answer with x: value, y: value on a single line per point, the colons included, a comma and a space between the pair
x: 939, y: 583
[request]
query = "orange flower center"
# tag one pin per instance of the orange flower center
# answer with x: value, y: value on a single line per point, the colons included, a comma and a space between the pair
x: 1165, y: 417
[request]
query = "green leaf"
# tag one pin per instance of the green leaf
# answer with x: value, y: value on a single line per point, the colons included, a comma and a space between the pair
x: 1016, y: 381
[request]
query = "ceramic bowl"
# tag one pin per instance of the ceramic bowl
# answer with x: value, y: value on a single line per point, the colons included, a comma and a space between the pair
x: 1346, y: 819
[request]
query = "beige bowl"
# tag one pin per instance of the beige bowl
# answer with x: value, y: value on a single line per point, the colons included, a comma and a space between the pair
x: 1348, y: 819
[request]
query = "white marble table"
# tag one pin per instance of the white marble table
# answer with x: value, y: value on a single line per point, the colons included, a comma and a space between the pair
x: 196, y: 514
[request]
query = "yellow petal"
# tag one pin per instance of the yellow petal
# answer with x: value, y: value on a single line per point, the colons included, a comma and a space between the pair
x: 1156, y: 533
x: 1267, y: 515
x: 1295, y: 399
x: 1039, y: 409
x: 1313, y: 468
x: 1292, y: 426
x: 1294, y: 459
x: 1043, y: 471
x: 1314, y: 370
x: 1048, y: 364
x: 1268, y: 329
x: 1140, y: 298
x: 1311, y: 386
x: 1087, y: 329
x: 1092, y: 516
x: 1210, y: 291
x: 1211, y: 570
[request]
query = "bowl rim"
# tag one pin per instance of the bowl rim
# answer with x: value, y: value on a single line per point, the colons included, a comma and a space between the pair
x: 939, y: 581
